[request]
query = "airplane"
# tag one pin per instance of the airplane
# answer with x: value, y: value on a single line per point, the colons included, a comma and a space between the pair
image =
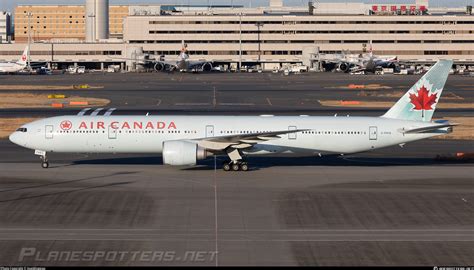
x: 183, y: 64
x: 373, y: 63
x: 357, y: 63
x: 184, y: 140
x: 12, y: 67
x: 367, y: 62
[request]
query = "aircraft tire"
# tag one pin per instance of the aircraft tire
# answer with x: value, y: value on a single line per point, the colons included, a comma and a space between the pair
x: 226, y: 167
x: 235, y: 167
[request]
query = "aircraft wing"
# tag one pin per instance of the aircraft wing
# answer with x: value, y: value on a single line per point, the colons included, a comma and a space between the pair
x: 357, y: 69
x: 171, y: 63
x: 196, y: 64
x: 242, y: 140
x: 333, y: 61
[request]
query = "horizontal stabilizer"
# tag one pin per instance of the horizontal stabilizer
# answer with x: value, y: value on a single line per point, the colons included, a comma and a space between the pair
x: 427, y: 129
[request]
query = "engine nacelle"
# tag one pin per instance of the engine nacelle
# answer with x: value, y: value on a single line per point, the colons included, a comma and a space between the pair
x: 206, y: 67
x: 159, y: 67
x: 179, y: 153
x: 343, y: 67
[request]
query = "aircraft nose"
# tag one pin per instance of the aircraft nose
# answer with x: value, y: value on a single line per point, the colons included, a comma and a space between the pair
x: 18, y: 138
x: 14, y: 138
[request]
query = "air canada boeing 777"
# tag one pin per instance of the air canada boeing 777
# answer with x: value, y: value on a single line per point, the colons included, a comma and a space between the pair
x: 183, y: 140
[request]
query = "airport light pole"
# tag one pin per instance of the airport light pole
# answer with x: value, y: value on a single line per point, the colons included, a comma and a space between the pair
x: 259, y: 24
x: 52, y: 49
x: 28, y: 60
x: 240, y: 41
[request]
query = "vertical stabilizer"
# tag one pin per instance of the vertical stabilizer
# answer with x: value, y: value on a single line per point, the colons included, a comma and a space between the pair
x: 24, y: 57
x: 419, y: 103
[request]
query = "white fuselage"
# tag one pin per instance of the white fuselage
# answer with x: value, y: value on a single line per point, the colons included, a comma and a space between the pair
x: 11, y: 67
x: 146, y: 134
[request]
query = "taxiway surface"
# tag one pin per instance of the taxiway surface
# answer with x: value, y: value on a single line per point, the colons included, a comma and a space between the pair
x: 389, y: 207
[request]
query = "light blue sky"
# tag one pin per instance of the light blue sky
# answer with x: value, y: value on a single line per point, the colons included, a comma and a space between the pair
x: 10, y: 4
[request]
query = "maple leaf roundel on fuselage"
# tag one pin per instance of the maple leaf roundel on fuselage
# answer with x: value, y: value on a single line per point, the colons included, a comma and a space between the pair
x: 423, y: 100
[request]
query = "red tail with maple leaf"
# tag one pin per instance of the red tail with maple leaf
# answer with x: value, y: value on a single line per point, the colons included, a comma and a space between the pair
x: 419, y: 103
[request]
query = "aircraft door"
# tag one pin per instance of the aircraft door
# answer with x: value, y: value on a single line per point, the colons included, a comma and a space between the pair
x: 372, y: 133
x: 209, y: 131
x: 292, y: 136
x: 112, y: 133
x: 48, y: 131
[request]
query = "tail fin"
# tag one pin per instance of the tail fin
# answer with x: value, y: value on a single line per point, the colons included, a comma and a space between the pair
x: 24, y: 57
x: 419, y: 103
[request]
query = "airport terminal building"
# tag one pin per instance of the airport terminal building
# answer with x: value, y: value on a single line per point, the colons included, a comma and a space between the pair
x: 269, y: 36
x: 5, y: 27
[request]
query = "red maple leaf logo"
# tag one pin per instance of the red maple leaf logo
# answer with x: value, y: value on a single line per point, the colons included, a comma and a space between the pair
x: 66, y: 125
x: 423, y: 101
x: 23, y: 58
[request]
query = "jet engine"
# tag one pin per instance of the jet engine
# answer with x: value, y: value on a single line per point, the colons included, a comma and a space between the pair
x: 179, y: 153
x: 344, y: 67
x: 392, y: 65
x: 207, y: 67
x: 159, y: 67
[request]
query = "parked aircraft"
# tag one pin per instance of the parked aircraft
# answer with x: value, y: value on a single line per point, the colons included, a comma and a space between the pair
x: 182, y: 64
x: 12, y: 67
x: 183, y: 140
x: 366, y: 62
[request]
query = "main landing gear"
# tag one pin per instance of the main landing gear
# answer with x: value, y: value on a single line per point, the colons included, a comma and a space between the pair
x: 44, y: 158
x: 235, y: 166
x: 236, y: 163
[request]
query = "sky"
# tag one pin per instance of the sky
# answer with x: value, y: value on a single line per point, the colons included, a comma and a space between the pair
x: 9, y: 5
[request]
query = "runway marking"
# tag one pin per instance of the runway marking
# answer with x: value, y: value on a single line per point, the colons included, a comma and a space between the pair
x: 232, y: 240
x: 235, y: 235
x: 214, y: 100
x: 84, y: 111
x: 159, y: 103
x: 96, y: 112
x: 192, y: 104
x: 269, y: 102
x: 245, y: 230
x: 453, y: 95
x: 237, y: 104
x: 110, y: 111
x: 184, y: 237
x: 216, y: 212
x: 245, y: 233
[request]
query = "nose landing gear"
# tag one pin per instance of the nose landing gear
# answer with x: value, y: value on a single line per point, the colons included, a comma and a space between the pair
x: 44, y: 158
x: 45, y: 164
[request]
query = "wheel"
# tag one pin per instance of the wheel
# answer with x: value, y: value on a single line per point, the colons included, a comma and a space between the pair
x: 45, y: 165
x: 235, y: 167
x: 244, y: 167
x: 226, y: 167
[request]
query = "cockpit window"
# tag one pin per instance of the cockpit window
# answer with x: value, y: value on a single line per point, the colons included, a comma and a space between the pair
x: 22, y: 130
